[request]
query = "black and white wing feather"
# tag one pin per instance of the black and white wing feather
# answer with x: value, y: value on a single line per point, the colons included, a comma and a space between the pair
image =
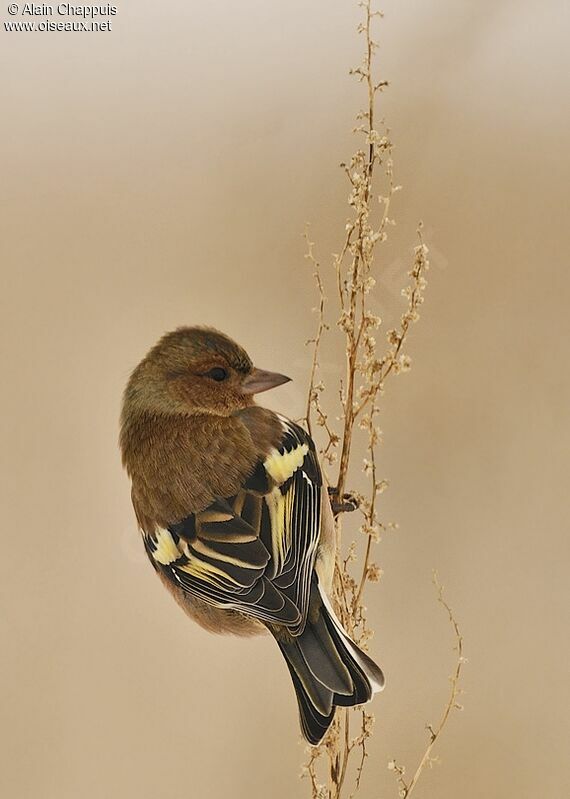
x: 253, y: 552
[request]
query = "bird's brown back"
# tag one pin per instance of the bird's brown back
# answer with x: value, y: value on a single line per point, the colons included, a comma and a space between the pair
x: 179, y: 464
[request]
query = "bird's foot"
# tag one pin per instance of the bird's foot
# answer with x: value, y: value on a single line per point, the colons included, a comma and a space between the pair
x: 345, y: 504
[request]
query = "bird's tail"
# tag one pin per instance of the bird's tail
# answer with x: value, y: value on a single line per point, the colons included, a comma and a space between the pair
x: 327, y: 668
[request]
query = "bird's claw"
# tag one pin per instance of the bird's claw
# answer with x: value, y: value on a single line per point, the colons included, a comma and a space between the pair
x: 346, y: 504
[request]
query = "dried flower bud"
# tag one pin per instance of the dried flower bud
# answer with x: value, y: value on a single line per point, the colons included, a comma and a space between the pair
x: 374, y: 573
x: 370, y: 319
x: 405, y: 363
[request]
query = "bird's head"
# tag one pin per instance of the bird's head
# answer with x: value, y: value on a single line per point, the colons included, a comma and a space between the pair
x: 196, y: 370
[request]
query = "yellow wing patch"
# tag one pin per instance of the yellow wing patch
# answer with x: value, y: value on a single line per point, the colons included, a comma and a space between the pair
x: 276, y: 504
x: 166, y: 551
x: 282, y: 466
x: 207, y: 571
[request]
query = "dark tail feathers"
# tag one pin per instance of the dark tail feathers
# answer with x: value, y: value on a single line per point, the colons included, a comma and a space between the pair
x: 327, y: 669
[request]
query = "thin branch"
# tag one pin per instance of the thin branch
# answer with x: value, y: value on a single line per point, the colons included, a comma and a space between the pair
x: 360, y: 389
x: 451, y: 704
x: 312, y: 395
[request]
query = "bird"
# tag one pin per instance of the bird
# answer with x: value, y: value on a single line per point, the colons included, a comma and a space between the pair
x: 235, y: 514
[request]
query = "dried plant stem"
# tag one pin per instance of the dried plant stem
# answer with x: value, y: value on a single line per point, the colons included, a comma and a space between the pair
x: 406, y: 788
x: 367, y: 368
x: 314, y: 387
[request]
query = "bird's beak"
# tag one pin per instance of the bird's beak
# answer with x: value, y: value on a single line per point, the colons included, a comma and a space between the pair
x: 260, y: 380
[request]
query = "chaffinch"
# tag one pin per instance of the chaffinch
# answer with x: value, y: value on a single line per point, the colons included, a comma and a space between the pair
x: 234, y: 515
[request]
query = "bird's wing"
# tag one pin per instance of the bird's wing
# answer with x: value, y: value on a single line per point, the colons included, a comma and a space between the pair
x: 253, y: 552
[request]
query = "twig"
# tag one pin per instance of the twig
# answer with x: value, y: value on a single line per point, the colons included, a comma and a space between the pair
x: 452, y: 704
x: 360, y: 390
x: 312, y: 395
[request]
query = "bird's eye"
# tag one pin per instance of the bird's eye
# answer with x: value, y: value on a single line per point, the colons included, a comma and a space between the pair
x: 218, y: 373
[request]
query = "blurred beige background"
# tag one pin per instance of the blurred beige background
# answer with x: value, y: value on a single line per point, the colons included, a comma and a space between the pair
x: 161, y: 174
